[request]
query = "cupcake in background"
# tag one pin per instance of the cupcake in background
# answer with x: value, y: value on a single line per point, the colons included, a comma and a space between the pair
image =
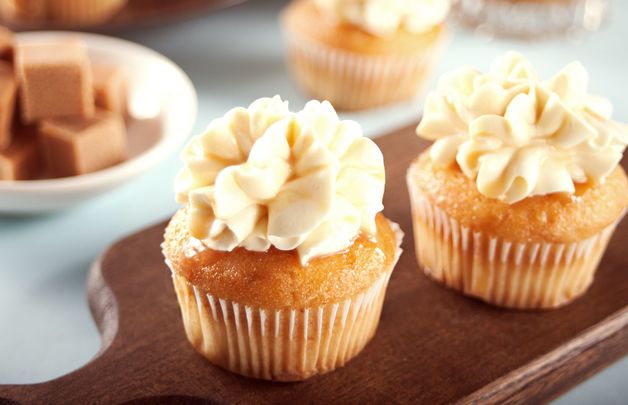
x: 517, y: 198
x: 71, y: 12
x: 360, y: 54
x: 83, y: 12
x: 21, y: 11
x: 280, y: 256
x: 531, y: 18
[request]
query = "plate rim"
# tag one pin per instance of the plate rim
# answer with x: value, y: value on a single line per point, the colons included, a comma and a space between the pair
x: 129, y: 168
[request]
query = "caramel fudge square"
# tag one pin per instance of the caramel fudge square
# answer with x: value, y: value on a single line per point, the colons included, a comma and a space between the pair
x: 8, y: 88
x: 110, y: 88
x: 7, y: 44
x: 73, y: 146
x: 21, y: 160
x: 55, y: 80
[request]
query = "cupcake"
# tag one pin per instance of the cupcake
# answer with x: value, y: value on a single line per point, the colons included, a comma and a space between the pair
x: 72, y: 12
x: 517, y: 198
x: 280, y: 256
x: 82, y: 12
x: 363, y: 53
x: 531, y: 18
x: 20, y: 11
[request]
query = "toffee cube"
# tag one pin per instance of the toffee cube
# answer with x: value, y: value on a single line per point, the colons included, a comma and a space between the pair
x: 21, y: 160
x: 55, y: 80
x: 110, y: 88
x: 73, y: 146
x: 7, y: 44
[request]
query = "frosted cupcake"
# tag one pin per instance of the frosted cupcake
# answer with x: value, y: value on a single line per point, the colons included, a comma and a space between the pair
x: 517, y: 198
x: 279, y: 256
x: 363, y: 53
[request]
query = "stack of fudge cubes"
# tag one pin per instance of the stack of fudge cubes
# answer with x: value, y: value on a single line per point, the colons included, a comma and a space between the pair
x: 59, y: 115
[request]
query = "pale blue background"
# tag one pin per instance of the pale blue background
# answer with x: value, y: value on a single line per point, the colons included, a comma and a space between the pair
x: 233, y: 57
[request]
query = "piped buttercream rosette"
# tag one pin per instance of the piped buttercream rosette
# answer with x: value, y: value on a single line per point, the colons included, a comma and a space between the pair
x: 385, y: 17
x: 518, y: 136
x: 263, y: 176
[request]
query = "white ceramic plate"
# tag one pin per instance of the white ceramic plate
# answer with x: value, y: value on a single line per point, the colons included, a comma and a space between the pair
x: 160, y: 93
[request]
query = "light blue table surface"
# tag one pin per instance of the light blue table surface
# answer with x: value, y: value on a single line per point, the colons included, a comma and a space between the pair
x: 233, y: 57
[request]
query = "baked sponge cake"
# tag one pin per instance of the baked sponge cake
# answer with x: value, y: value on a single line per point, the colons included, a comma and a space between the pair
x: 517, y: 198
x: 280, y: 256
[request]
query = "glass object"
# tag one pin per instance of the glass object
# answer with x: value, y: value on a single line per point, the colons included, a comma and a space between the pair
x: 531, y: 18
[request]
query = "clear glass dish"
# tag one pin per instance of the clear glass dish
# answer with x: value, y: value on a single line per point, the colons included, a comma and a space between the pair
x: 531, y: 18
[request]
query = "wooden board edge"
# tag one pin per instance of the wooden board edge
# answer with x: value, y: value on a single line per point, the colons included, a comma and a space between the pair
x: 102, y: 304
x: 561, y: 369
x: 105, y: 312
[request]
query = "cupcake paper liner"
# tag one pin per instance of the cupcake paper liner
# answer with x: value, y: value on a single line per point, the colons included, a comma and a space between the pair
x: 288, y: 344
x: 352, y: 81
x: 531, y: 18
x: 504, y: 273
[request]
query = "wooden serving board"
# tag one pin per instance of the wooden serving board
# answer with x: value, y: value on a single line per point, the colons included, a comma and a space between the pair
x: 432, y: 346
x: 137, y: 13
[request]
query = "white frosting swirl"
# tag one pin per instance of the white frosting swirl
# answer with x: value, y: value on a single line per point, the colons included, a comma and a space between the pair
x: 518, y: 136
x: 385, y: 17
x: 263, y: 176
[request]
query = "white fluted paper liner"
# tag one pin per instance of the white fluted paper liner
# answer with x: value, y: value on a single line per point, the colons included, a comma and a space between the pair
x: 531, y: 18
x: 353, y: 81
x: 284, y: 344
x: 509, y: 274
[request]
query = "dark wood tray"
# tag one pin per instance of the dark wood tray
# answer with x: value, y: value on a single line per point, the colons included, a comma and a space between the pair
x: 137, y: 13
x: 432, y: 346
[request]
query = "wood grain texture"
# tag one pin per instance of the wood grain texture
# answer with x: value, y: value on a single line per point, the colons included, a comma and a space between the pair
x: 137, y: 13
x: 432, y: 346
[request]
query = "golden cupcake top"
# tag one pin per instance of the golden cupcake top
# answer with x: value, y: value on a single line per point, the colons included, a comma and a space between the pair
x: 519, y: 136
x: 386, y: 17
x: 276, y: 278
x: 264, y: 176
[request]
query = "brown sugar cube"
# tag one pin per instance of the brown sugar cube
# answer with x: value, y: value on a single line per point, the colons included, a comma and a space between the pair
x: 73, y: 146
x: 55, y: 80
x: 8, y: 88
x: 21, y: 160
x: 7, y: 44
x: 110, y: 91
